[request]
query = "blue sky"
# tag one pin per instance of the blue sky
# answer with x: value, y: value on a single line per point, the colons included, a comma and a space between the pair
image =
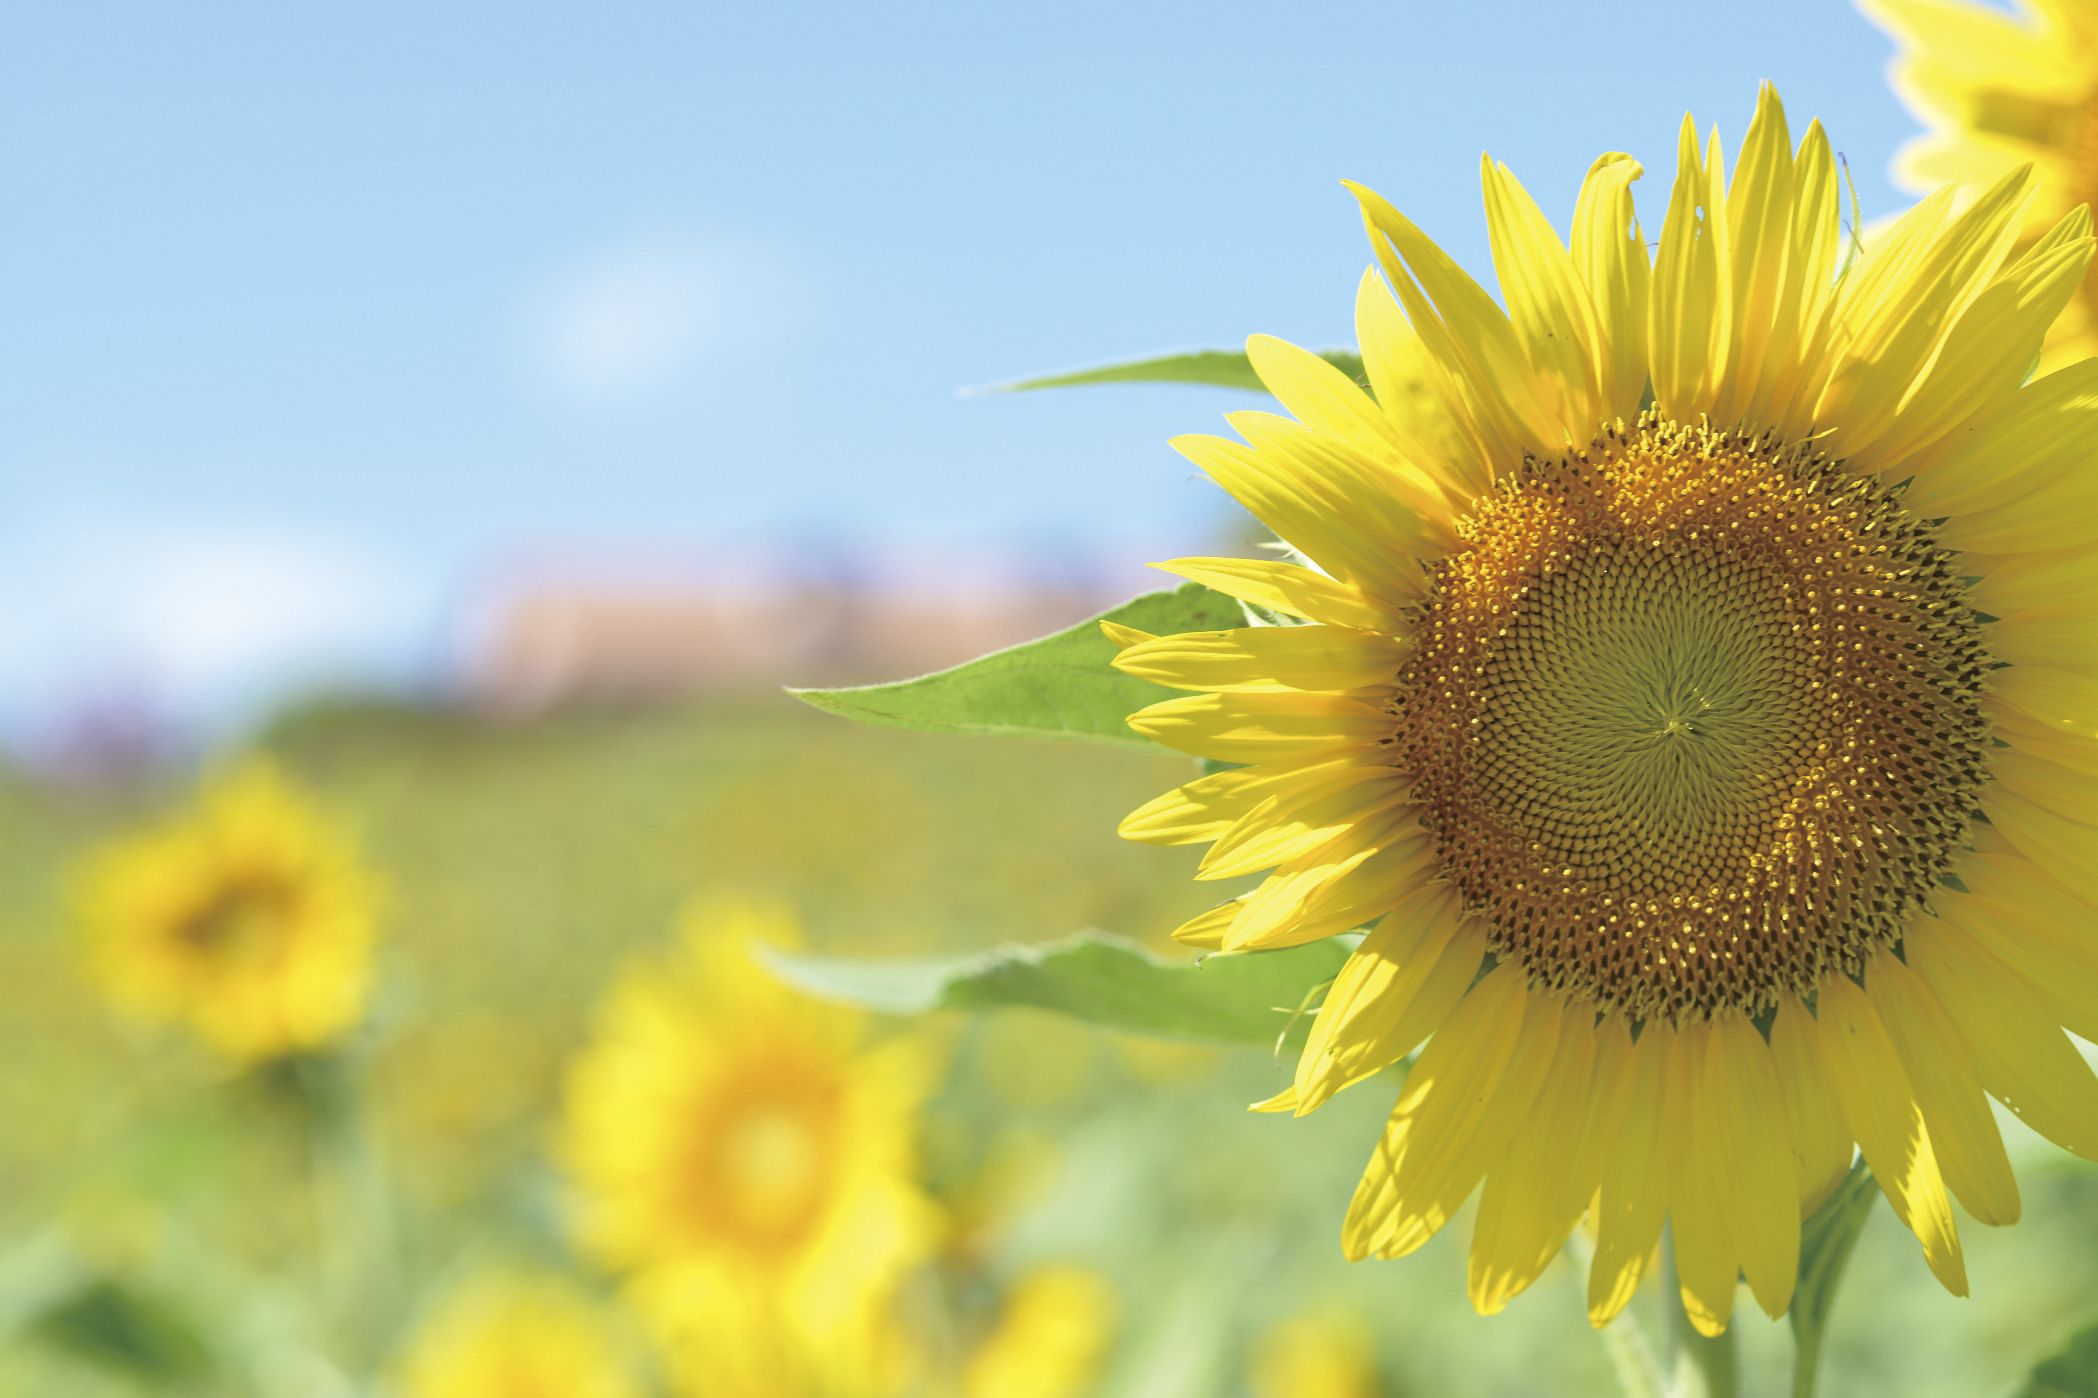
x: 315, y: 317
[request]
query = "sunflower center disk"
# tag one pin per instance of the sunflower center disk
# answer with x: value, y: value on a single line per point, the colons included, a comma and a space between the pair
x: 1694, y: 718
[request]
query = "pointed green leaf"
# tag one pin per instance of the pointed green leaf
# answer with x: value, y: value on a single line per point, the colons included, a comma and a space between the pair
x: 1825, y: 1243
x: 1061, y: 686
x: 1251, y: 998
x: 2070, y: 1372
x: 1217, y: 368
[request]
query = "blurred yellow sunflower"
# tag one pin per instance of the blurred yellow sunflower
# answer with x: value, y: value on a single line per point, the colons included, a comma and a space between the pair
x: 1051, y: 1339
x: 1999, y: 90
x: 515, y: 1335
x: 1327, y: 1353
x: 1710, y: 740
x: 746, y: 1156
x: 250, y: 918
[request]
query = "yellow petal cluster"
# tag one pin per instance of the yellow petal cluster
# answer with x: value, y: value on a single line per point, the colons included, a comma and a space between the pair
x: 514, y: 1334
x: 1758, y: 347
x: 1999, y: 88
x: 250, y: 918
x: 745, y: 1158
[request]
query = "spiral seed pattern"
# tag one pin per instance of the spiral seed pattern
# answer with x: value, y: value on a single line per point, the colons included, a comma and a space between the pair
x: 1693, y: 718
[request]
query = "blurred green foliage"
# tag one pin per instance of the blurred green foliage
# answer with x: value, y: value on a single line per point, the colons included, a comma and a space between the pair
x: 1096, y: 978
x: 164, y: 1224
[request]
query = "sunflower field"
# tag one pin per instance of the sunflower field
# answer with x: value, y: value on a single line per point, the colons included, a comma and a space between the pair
x: 397, y: 1215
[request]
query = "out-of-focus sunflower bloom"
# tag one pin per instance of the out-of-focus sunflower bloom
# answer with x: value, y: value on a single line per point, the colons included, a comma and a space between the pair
x: 746, y: 1157
x: 250, y: 918
x: 1051, y: 1339
x: 1999, y: 90
x: 515, y: 1335
x: 1710, y: 740
x: 1316, y: 1354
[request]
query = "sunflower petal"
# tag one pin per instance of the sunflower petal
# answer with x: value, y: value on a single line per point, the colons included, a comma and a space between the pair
x: 1800, y: 331
x: 1632, y: 1199
x: 1982, y: 41
x: 2030, y: 913
x: 1691, y: 313
x: 1707, y: 1269
x: 1329, y: 402
x: 1397, y: 510
x: 2024, y: 1061
x: 1469, y: 335
x: 1335, y: 889
x: 2046, y: 785
x: 1405, y: 979
x: 2027, y: 734
x: 1989, y: 351
x: 1821, y: 1145
x: 1898, y: 309
x: 2058, y: 700
x: 1206, y: 931
x: 1533, y: 1196
x: 2068, y: 642
x: 1962, y: 1130
x: 1312, y: 510
x: 1270, y: 659
x: 1416, y: 396
x: 2065, y: 848
x: 1474, y: 1084
x: 1287, y: 587
x: 2002, y: 475
x: 1745, y: 1119
x: 1261, y: 727
x: 1759, y: 240
x: 1294, y: 822
x: 1206, y: 807
x: 1609, y: 251
x: 1880, y: 1106
x: 1546, y: 300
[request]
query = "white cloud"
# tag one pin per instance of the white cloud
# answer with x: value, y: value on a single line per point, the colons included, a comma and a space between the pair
x: 205, y: 624
x: 628, y: 323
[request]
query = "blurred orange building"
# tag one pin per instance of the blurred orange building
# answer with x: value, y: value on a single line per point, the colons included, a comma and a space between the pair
x: 578, y: 631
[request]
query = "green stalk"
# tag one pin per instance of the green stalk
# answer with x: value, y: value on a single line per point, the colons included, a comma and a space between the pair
x: 1703, y: 1366
x: 1825, y: 1245
x: 1707, y: 1366
x: 352, y: 1204
x: 1624, y: 1339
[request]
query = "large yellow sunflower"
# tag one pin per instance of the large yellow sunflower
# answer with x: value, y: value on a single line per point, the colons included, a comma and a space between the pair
x: 1710, y: 740
x: 746, y: 1157
x: 250, y: 918
x: 2000, y: 90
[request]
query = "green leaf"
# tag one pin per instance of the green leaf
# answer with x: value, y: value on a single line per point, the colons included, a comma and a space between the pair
x: 1217, y: 368
x: 128, y: 1330
x: 2070, y: 1372
x: 1248, y: 998
x: 1061, y: 686
x: 1825, y: 1244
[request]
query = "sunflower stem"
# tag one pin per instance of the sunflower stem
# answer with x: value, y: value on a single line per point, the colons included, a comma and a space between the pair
x: 1826, y: 1243
x: 1624, y: 1340
x: 1706, y: 1366
x: 353, y: 1210
x: 1701, y: 1366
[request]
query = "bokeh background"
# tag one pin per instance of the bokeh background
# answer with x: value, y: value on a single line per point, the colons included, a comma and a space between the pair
x: 486, y: 409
